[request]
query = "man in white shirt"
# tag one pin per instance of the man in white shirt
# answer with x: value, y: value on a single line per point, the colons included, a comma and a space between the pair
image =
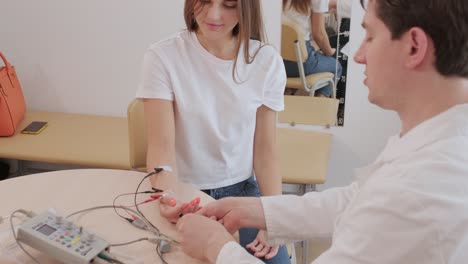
x: 411, y: 204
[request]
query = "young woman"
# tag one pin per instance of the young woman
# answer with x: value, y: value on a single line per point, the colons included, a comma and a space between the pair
x: 309, y: 16
x: 211, y: 94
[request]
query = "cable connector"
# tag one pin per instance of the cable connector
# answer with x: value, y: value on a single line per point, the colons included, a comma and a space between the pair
x: 164, y: 246
x: 29, y: 214
x: 100, y: 261
x: 104, y: 255
x: 163, y: 168
x: 138, y: 223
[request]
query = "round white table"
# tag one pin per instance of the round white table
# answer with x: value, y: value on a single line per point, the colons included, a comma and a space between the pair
x: 69, y: 191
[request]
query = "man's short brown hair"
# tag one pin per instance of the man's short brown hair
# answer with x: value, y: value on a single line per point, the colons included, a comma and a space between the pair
x: 445, y: 21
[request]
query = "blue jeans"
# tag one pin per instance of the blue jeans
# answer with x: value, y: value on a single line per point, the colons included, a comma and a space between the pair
x: 249, y: 188
x: 316, y: 62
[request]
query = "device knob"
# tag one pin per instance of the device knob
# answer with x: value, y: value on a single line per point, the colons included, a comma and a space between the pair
x: 59, y: 220
x: 90, y: 237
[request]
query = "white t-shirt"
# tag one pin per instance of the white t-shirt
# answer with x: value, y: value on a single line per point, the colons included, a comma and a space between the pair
x: 303, y: 21
x: 343, y: 8
x: 215, y: 117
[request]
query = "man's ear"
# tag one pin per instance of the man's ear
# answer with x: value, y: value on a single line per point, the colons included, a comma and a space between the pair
x: 419, y: 43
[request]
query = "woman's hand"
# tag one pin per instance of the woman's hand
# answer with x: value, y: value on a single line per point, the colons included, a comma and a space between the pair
x: 173, y: 210
x: 261, y: 248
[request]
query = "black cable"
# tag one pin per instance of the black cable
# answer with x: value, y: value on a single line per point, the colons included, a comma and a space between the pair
x: 156, y: 171
x: 120, y: 195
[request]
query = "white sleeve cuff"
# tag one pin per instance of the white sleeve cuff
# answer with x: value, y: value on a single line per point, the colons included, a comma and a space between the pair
x: 232, y: 252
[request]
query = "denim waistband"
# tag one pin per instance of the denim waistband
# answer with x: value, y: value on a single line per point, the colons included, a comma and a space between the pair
x: 248, y: 187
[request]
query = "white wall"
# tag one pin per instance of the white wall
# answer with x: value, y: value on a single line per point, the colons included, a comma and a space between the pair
x: 84, y: 57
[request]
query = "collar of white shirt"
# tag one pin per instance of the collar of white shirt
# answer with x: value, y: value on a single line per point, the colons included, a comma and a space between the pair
x: 451, y: 123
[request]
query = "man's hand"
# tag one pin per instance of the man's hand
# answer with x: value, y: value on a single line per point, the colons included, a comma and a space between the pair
x: 236, y: 212
x: 201, y: 237
x: 261, y: 248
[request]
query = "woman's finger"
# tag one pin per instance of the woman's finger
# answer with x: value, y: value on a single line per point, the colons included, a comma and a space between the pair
x: 272, y: 253
x: 193, y: 206
x: 259, y: 247
x: 252, y: 245
x: 167, y: 199
x: 261, y: 253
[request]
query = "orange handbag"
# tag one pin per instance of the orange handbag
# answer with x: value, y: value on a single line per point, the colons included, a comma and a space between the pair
x: 12, y: 104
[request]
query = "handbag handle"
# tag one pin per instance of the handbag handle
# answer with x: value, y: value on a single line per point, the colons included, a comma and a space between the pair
x: 7, y: 64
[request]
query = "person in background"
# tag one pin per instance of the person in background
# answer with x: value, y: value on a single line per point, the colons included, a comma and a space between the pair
x: 411, y: 204
x: 211, y: 95
x: 342, y: 7
x: 309, y: 16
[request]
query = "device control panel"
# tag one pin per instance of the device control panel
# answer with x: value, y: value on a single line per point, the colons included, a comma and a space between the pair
x: 61, y: 238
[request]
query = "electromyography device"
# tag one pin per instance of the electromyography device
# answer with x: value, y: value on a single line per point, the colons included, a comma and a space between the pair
x: 61, y: 239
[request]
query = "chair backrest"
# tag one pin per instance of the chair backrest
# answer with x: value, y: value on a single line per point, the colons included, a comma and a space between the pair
x: 290, y: 33
x: 304, y: 155
x: 310, y: 110
x: 137, y: 135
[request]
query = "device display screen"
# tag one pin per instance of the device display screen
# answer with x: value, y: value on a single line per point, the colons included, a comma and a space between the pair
x: 46, y: 230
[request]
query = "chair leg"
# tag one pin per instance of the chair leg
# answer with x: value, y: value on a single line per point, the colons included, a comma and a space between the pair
x: 305, y: 248
x: 309, y: 188
x: 292, y: 253
x: 305, y: 243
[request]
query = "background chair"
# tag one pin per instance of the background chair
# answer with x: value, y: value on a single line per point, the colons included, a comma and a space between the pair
x: 293, y: 49
x: 137, y: 135
x: 304, y: 159
x: 303, y: 154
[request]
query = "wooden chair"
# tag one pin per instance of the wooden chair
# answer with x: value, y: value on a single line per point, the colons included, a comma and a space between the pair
x: 304, y: 159
x: 137, y: 135
x: 293, y: 49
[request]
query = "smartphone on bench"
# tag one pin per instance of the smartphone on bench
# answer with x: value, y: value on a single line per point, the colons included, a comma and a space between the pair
x: 35, y: 127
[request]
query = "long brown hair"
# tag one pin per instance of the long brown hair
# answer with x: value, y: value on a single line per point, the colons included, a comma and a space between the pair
x: 250, y: 25
x: 301, y: 6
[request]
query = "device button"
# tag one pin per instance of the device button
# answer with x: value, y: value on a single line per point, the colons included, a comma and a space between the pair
x: 68, y: 225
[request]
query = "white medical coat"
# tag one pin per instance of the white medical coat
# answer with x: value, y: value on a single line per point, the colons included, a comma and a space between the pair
x: 409, y: 206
